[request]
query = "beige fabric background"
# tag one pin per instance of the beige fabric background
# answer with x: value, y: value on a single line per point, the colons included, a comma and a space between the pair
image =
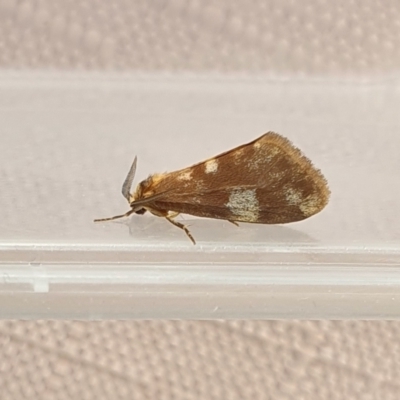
x: 201, y: 360
x: 286, y: 36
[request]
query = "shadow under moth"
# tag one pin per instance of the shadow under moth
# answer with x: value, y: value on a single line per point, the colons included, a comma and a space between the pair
x: 266, y: 181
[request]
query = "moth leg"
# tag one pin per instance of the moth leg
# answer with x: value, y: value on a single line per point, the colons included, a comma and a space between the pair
x: 179, y: 225
x: 172, y: 214
x: 233, y: 222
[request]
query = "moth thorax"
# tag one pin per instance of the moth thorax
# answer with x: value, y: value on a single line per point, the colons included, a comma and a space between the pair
x: 144, y: 189
x: 132, y: 198
x: 137, y: 194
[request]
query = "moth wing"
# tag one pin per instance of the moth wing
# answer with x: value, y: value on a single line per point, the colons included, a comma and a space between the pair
x: 265, y: 181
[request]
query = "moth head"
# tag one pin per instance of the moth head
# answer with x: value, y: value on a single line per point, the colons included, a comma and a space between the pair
x: 133, y: 198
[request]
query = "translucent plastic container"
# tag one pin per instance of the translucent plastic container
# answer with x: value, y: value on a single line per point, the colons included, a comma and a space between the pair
x: 67, y: 141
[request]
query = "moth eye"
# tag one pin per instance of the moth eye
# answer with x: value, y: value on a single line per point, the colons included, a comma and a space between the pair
x: 141, y: 211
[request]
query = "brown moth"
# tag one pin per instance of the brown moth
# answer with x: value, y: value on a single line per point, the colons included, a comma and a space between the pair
x: 266, y: 181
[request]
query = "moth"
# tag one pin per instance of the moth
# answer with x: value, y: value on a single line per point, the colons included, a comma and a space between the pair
x: 266, y: 181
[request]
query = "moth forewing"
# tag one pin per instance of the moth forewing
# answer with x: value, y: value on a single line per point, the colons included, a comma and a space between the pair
x: 266, y: 181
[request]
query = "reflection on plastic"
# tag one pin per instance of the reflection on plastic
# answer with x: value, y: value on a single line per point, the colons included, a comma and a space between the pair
x: 216, y: 231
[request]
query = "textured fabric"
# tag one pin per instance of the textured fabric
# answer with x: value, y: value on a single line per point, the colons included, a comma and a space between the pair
x: 287, y: 36
x: 199, y: 360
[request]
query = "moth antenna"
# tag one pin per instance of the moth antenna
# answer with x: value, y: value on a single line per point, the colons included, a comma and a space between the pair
x: 127, y: 214
x: 126, y: 187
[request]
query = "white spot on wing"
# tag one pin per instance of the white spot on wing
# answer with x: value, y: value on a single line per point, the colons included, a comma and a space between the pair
x: 238, y: 154
x: 311, y: 205
x: 272, y: 152
x: 211, y: 166
x: 244, y: 204
x: 293, y: 197
x: 262, y: 156
x: 185, y: 176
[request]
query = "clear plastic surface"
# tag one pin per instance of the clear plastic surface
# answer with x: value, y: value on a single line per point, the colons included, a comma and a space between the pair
x: 67, y: 142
